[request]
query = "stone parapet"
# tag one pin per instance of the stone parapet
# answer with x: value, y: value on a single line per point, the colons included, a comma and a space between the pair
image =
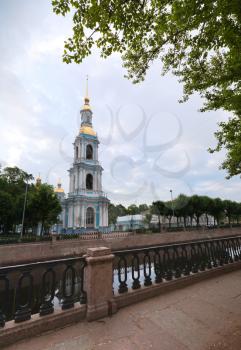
x: 14, y: 332
x: 98, y: 282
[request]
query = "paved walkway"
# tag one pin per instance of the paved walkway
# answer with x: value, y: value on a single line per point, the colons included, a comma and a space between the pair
x: 204, y: 316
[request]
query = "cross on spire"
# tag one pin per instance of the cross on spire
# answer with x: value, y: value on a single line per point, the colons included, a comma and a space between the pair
x: 87, y: 81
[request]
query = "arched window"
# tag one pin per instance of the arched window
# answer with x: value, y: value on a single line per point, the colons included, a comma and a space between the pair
x: 89, y: 152
x: 89, y: 182
x: 90, y: 217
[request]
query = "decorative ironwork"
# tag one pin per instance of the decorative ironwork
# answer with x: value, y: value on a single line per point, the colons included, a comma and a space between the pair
x: 68, y: 287
x: 48, y: 293
x: 39, y: 288
x: 4, y: 279
x: 23, y: 310
x: 135, y: 268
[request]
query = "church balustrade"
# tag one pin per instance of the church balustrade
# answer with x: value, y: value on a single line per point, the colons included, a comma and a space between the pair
x: 136, y: 268
x: 40, y: 287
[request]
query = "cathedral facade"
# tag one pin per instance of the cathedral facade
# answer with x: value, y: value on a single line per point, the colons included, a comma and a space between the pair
x: 86, y: 205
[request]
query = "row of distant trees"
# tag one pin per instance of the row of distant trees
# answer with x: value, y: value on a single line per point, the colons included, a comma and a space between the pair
x: 183, y: 207
x: 42, y: 205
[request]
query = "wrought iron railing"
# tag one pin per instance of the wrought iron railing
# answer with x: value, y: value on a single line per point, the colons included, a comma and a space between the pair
x: 40, y: 287
x: 135, y: 268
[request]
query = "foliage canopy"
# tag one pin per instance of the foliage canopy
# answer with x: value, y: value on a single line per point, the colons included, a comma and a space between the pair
x: 198, y: 40
x: 42, y: 203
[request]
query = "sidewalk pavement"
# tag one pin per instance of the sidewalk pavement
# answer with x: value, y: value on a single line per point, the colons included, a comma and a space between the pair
x: 203, y: 316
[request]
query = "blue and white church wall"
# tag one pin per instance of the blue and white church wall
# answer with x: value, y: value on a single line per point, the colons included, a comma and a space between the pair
x: 86, y: 206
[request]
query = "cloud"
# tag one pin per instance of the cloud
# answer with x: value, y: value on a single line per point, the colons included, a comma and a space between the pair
x: 49, y: 46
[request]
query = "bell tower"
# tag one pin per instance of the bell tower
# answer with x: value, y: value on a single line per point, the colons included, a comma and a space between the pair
x: 86, y: 207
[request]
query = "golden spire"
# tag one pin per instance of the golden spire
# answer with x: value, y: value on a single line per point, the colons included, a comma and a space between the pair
x: 86, y: 127
x: 86, y: 99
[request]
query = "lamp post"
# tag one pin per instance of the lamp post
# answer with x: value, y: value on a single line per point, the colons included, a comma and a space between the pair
x: 24, y: 207
x: 173, y: 214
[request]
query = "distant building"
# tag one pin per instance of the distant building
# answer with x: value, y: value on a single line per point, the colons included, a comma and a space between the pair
x: 130, y: 222
x: 134, y: 222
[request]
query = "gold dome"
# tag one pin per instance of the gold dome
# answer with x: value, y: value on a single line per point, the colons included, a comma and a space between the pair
x: 59, y: 188
x: 87, y: 130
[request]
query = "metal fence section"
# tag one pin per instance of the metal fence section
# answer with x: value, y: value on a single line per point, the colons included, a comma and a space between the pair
x: 40, y: 287
x: 136, y: 268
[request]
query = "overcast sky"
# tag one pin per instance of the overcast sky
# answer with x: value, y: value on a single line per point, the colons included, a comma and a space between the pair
x: 149, y: 142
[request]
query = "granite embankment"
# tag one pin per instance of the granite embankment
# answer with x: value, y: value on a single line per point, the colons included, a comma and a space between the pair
x: 11, y: 254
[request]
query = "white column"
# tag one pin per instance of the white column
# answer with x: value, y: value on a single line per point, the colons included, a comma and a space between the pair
x: 82, y: 216
x: 104, y: 215
x: 82, y: 179
x: 73, y: 216
x: 84, y: 176
x: 100, y: 184
x: 101, y: 214
x: 70, y: 182
x: 70, y: 216
x: 66, y: 217
x: 79, y: 155
x: 82, y: 149
x: 95, y: 186
x: 96, y: 152
x: 97, y: 182
x: 78, y: 179
x: 77, y: 222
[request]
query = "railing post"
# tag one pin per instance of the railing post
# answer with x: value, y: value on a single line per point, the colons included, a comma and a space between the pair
x: 98, y: 279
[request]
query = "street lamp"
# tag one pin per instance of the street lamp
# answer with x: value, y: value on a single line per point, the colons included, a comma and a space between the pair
x: 24, y: 207
x: 173, y: 214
